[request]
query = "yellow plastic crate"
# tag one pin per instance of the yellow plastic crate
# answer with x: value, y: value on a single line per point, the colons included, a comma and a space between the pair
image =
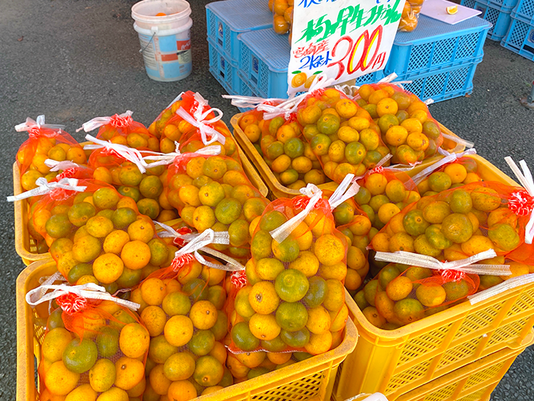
x: 277, y: 189
x: 473, y: 382
x: 25, y: 245
x: 396, y: 361
x: 311, y: 380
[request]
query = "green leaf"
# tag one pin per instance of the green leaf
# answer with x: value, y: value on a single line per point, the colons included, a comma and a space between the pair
x: 295, y: 72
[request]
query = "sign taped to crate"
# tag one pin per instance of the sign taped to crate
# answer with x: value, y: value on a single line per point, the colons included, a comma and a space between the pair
x: 340, y: 38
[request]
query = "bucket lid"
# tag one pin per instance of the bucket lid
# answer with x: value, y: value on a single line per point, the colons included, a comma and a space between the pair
x: 146, y: 10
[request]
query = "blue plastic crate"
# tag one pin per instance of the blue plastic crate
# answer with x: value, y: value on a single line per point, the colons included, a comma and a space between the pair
x: 227, y: 19
x: 435, y: 45
x: 498, y: 16
x: 445, y: 84
x: 223, y: 69
x: 507, y: 4
x: 524, y: 11
x: 520, y: 38
x: 264, y: 61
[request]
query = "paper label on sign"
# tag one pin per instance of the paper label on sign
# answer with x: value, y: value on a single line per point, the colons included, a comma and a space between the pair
x: 342, y: 38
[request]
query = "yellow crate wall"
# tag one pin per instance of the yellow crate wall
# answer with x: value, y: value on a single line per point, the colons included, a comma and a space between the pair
x: 277, y: 189
x: 473, y: 382
x: 25, y: 245
x: 310, y: 380
x: 396, y: 361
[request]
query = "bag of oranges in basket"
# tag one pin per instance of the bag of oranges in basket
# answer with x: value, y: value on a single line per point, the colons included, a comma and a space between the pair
x: 282, y: 16
x: 406, y: 126
x: 415, y: 286
x: 122, y: 129
x: 292, y: 296
x: 212, y: 191
x: 182, y: 308
x: 463, y: 221
x: 94, y: 344
x: 128, y: 170
x: 195, y: 125
x: 96, y: 235
x: 45, y: 141
x: 453, y: 170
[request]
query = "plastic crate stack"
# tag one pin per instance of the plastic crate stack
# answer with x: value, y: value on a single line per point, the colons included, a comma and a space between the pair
x: 498, y: 12
x: 246, y: 56
x: 438, y: 58
x: 225, y: 20
x: 520, y: 36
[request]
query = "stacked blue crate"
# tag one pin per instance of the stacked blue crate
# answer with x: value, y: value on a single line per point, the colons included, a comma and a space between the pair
x: 495, y: 11
x: 520, y: 36
x: 264, y: 59
x: 438, y: 58
x: 225, y: 20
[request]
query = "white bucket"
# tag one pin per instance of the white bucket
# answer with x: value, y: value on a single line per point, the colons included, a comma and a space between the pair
x: 165, y: 40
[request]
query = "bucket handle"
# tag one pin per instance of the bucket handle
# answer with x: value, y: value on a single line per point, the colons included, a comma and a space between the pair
x: 154, y: 29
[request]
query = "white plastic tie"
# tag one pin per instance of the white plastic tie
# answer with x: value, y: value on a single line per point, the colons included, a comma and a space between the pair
x: 281, y: 233
x: 505, y: 286
x: 525, y: 179
x: 219, y: 237
x: 448, y: 158
x: 127, y: 153
x: 250, y: 102
x: 60, y: 165
x: 98, y: 122
x: 44, y: 187
x: 458, y: 140
x: 346, y: 190
x: 464, y: 265
x: 200, y: 242
x: 30, y: 124
x: 89, y: 291
x: 291, y: 105
x: 368, y: 397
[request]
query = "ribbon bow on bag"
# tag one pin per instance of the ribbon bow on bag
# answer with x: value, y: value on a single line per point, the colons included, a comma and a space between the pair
x: 127, y: 153
x: 347, y: 189
x: 164, y: 159
x: 448, y: 158
x: 522, y: 202
x: 58, y: 190
x: 450, y: 271
x: 33, y: 127
x: 73, y: 299
x: 199, y: 242
x: 251, y: 102
x: 117, y: 121
x: 198, y: 120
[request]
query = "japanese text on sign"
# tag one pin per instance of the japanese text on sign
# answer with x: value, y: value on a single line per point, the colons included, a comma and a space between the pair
x: 342, y: 39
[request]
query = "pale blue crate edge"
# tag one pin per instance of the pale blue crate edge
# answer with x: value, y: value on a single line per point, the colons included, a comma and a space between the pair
x: 462, y: 88
x: 499, y: 17
x: 520, y: 48
x: 223, y: 30
x: 524, y: 11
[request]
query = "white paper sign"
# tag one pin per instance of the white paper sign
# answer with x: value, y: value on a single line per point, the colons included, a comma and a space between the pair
x: 343, y: 38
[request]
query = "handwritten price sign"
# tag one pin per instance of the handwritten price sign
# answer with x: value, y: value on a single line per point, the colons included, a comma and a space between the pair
x: 343, y: 38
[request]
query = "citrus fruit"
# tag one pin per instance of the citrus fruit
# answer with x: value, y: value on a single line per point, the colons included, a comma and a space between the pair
x: 243, y: 337
x: 408, y: 310
x: 291, y: 285
x: 80, y: 356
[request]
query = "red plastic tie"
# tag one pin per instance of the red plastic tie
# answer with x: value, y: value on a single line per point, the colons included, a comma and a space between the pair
x: 71, y: 303
x: 67, y: 173
x: 180, y: 241
x: 181, y: 261
x: 120, y: 122
x: 452, y: 275
x: 521, y: 203
x: 239, y: 279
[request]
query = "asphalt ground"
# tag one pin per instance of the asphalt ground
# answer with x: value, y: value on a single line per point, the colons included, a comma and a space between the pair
x: 74, y: 60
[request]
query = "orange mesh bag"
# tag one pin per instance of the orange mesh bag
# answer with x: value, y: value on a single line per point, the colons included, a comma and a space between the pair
x: 46, y: 141
x: 291, y: 297
x: 158, y: 125
x: 99, y: 236
x: 212, y: 191
x: 182, y: 307
x: 406, y: 126
x: 460, y: 222
x: 453, y: 170
x: 94, y: 344
x: 410, y: 15
x: 384, y: 192
x: 196, y: 125
x: 415, y: 286
x: 122, y: 129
